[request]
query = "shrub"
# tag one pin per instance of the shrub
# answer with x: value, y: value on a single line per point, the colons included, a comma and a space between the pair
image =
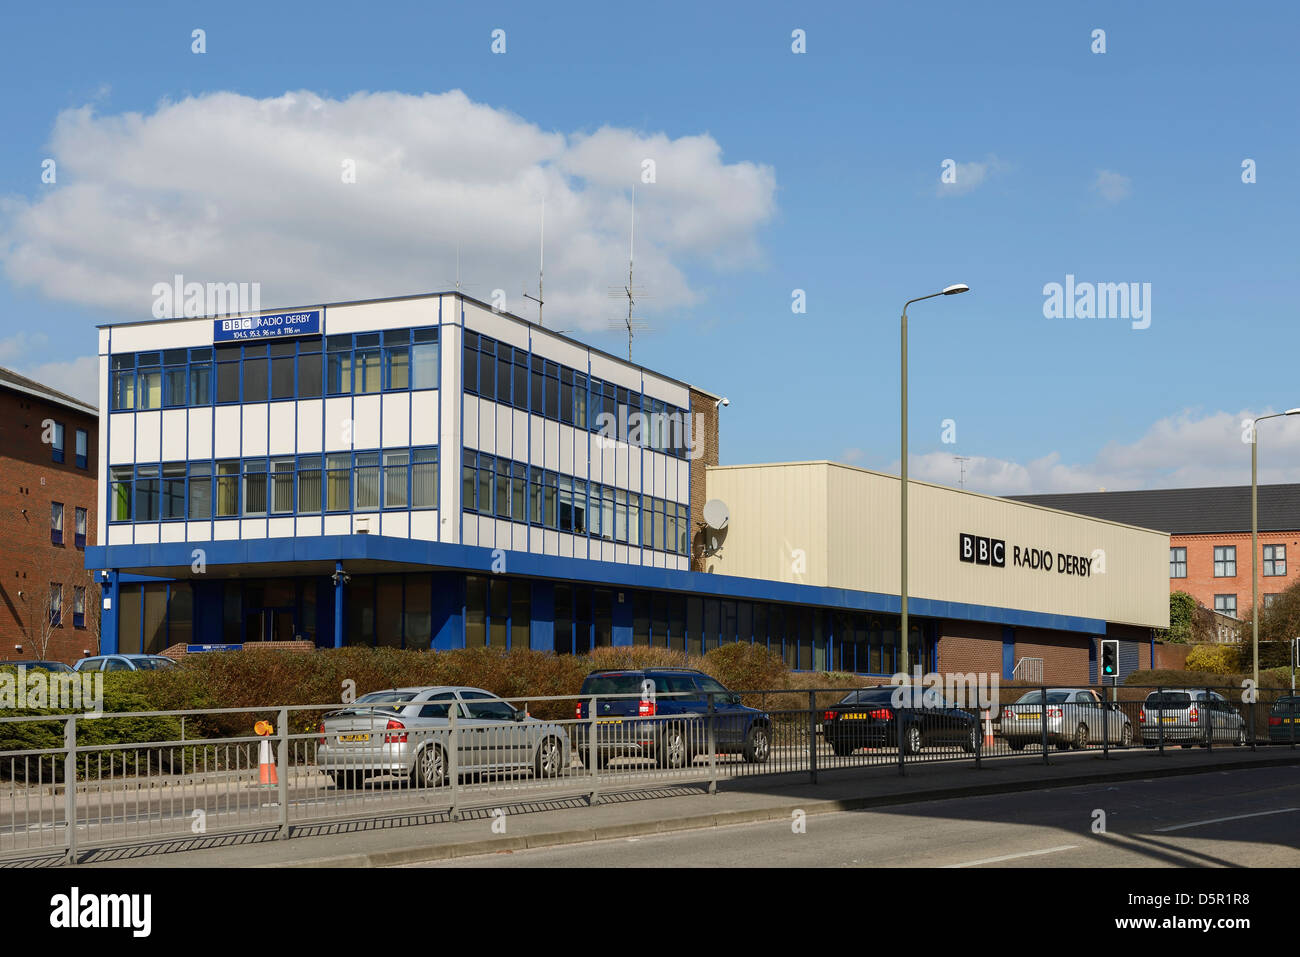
x: 1213, y: 659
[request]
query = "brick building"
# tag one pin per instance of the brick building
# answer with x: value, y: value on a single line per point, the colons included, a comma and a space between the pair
x: 1209, y: 536
x: 49, y: 603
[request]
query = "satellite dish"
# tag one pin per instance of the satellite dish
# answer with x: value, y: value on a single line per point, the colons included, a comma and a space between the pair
x: 716, y: 514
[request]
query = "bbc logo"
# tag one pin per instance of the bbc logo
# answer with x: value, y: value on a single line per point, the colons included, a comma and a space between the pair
x: 229, y: 325
x: 983, y: 551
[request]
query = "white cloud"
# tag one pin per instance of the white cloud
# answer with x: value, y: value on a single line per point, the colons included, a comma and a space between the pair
x: 970, y: 175
x: 227, y: 188
x: 1112, y: 186
x: 78, y: 378
x: 1181, y: 451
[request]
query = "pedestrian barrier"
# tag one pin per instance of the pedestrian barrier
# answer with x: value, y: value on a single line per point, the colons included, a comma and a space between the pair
x: 64, y: 790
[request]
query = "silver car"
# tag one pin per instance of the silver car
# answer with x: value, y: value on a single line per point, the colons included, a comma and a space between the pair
x: 405, y: 732
x: 1190, y: 716
x: 1076, y: 718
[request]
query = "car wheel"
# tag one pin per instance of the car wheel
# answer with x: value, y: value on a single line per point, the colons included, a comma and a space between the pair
x: 672, y: 751
x: 1126, y: 736
x: 912, y: 740
x: 757, y: 745
x: 346, y: 780
x: 1241, y: 738
x: 431, y: 767
x: 1080, y: 738
x: 972, y: 741
x: 546, y: 763
x: 1016, y: 745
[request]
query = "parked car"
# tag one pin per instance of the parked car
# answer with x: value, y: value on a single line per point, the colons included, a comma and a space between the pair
x: 663, y: 713
x: 868, y: 718
x: 32, y: 663
x: 1186, y: 716
x: 406, y: 732
x: 1076, y: 717
x: 1284, y: 720
x: 124, y: 663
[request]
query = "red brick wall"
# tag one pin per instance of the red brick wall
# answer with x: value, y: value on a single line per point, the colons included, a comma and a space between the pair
x: 30, y: 480
x: 1065, y: 657
x: 704, y: 407
x: 970, y: 646
x: 1201, y: 584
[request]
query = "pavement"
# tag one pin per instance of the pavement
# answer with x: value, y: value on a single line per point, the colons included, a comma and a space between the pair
x: 548, y: 822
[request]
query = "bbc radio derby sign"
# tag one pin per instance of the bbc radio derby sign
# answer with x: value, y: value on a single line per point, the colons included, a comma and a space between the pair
x: 266, y: 327
x: 993, y: 551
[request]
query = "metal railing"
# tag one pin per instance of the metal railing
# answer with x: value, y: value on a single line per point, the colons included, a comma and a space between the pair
x: 65, y: 790
x: 1028, y: 669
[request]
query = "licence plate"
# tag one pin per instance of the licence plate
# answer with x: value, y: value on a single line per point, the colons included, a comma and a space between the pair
x: 854, y: 717
x: 354, y: 737
x: 1168, y: 720
x: 1035, y: 715
x: 1287, y: 720
x: 609, y: 720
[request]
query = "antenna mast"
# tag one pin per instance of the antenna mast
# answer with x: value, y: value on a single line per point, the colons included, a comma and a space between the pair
x: 961, y: 461
x: 541, y: 263
x: 631, y: 249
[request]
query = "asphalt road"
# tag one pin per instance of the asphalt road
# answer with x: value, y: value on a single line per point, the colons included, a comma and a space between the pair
x: 1225, y: 818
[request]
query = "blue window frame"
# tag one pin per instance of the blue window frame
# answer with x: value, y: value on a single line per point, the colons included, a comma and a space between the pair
x: 56, y: 523
x: 56, y: 442
x: 82, y: 448
x: 78, y: 606
x: 79, y: 531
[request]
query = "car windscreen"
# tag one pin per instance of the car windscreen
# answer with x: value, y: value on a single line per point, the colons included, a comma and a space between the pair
x: 1172, y: 700
x: 398, y: 698
x: 1287, y: 704
x: 153, y: 664
x: 1036, y: 697
x: 613, y: 684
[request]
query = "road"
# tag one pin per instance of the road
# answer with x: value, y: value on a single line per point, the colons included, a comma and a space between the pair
x: 1224, y: 818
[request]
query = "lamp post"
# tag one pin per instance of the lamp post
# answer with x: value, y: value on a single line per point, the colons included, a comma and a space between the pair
x: 947, y: 291
x: 1254, y: 535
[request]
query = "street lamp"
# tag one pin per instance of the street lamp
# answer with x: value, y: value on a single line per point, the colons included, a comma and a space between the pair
x: 947, y: 291
x: 1254, y: 534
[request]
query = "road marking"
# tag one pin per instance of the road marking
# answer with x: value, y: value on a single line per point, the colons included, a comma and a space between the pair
x: 1220, y: 820
x: 1012, y: 857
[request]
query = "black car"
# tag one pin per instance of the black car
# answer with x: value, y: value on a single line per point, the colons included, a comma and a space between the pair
x: 665, y: 713
x: 869, y: 719
x: 33, y: 663
x: 1283, y: 719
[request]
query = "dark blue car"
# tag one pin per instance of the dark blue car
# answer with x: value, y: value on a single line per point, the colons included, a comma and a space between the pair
x: 665, y: 714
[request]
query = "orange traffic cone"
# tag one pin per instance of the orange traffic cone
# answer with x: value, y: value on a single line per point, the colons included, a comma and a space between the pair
x: 988, y: 730
x: 265, y: 762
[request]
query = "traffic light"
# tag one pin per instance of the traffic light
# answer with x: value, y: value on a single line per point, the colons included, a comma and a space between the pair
x: 1110, y: 659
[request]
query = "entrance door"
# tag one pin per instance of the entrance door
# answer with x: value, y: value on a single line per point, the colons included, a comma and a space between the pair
x: 269, y: 624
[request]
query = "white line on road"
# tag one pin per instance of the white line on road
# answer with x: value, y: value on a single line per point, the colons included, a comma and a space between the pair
x: 1012, y: 857
x: 1220, y: 820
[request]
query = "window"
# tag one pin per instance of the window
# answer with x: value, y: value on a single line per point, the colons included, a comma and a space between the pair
x: 1225, y: 561
x: 396, y: 473
x: 338, y: 482
x: 149, y: 380
x: 228, y: 489
x: 1226, y: 604
x: 282, y: 375
x: 80, y: 532
x: 56, y: 442
x: 1177, y: 563
x: 1274, y: 560
x: 310, y: 370
x: 367, y: 481
x: 200, y: 377
x: 309, y: 486
x: 424, y: 478
x: 123, y: 390
x: 173, y: 491
x: 56, y: 523
x: 424, y: 359
x: 256, y: 375
x: 254, y: 487
x: 397, y: 359
x: 174, y: 391
x: 200, y: 492
x: 1268, y: 600
x: 366, y: 369
x: 147, y: 489
x: 79, y: 606
x: 83, y: 449
x: 282, y: 486
x: 56, y: 605
x: 228, y: 375
x: 121, y: 493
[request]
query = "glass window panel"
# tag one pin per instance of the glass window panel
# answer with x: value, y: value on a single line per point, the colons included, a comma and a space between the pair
x: 424, y: 478
x: 147, y: 493
x: 309, y: 484
x: 228, y: 382
x: 282, y: 378
x: 424, y: 365
x: 337, y: 482
x: 124, y: 390
x: 255, y: 487
x: 367, y: 481
x: 499, y: 614
x: 399, y: 367
x: 475, y: 611
x: 174, y: 392
x: 255, y: 380
x: 227, y: 489
x: 367, y: 371
x: 418, y: 613
x: 395, y: 475
x: 150, y: 389
x: 173, y: 490
x: 282, y: 486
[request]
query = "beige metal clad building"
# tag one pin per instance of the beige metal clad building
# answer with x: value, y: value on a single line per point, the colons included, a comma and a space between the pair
x: 979, y: 564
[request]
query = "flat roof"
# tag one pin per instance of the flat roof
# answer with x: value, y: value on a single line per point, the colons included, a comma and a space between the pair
x: 425, y: 295
x: 20, y: 383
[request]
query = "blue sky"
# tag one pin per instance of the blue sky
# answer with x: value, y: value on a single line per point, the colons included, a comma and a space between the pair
x: 1123, y: 166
